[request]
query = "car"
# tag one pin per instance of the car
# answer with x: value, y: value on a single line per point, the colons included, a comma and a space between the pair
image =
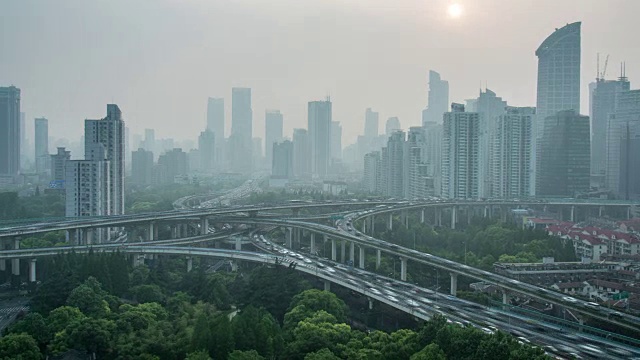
x: 592, y: 305
x: 569, y: 299
x: 412, y: 303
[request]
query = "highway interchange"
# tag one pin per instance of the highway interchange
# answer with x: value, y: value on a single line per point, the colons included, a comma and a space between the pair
x: 422, y: 303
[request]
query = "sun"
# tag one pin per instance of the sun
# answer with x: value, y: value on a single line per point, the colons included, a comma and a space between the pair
x: 455, y: 10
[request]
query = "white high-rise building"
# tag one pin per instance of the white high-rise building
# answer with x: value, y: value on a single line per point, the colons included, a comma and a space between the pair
x: 461, y: 154
x: 490, y: 107
x: 88, y: 184
x: 627, y: 112
x: 393, y: 165
x: 109, y: 132
x: 392, y: 125
x: 319, y: 125
x: 336, y: 140
x: 273, y: 124
x: 215, y: 120
x: 433, y: 153
x: 512, y: 154
x: 58, y: 167
x: 371, y: 119
x: 207, y: 151
x: 419, y: 183
x: 241, y: 141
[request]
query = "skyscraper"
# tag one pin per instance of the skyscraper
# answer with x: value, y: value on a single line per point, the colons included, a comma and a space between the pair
x: 109, y: 132
x: 371, y: 124
x: 150, y: 140
x: 512, y: 174
x: 438, y: 98
x: 173, y: 163
x: 9, y: 131
x: 336, y: 140
x: 282, y: 166
x: 433, y: 153
x: 215, y: 123
x: 319, y: 125
x: 558, y: 74
x: 626, y: 116
x: 419, y: 183
x: 41, y: 126
x: 58, y: 166
x: 141, y: 167
x: 461, y: 154
x: 273, y: 123
x: 241, y: 130
x: 301, y: 154
x: 372, y: 168
x: 392, y: 125
x: 87, y: 187
x: 207, y: 150
x: 490, y: 107
x: 602, y: 104
x: 564, y: 162
x: 393, y: 165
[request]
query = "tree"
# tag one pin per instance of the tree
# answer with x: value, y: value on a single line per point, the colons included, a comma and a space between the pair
x: 148, y: 293
x: 61, y: 317
x: 309, y: 302
x: 198, y: 355
x: 245, y: 355
x: 322, y: 354
x: 321, y: 330
x: 429, y: 352
x: 34, y: 325
x: 89, y: 298
x: 19, y: 347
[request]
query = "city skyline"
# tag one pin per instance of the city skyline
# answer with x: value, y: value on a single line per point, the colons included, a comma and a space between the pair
x: 402, y: 88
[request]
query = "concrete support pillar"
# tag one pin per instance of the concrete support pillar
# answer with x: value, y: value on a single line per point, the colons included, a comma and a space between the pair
x: 327, y: 285
x: 486, y: 212
x: 573, y: 214
x: 390, y: 222
x: 352, y: 252
x: 67, y: 236
x: 3, y: 265
x: 503, y: 214
x: 32, y: 270
x: 404, y: 218
x: 174, y: 232
x: 422, y: 216
x: 189, y: 263
x: 505, y: 297
x: 334, y: 255
x: 372, y: 228
x: 312, y: 245
x: 438, y: 215
x: 155, y: 232
x: 89, y: 236
x: 204, y: 226
x: 378, y: 258
x: 184, y: 230
x: 403, y: 269
x: 600, y: 211
x: 151, y: 231
x: 629, y: 212
x: 454, y: 216
x: 454, y: 284
x: 361, y: 257
x: 238, y: 243
x: 469, y: 214
x: 370, y: 303
x: 364, y: 225
x: 343, y: 251
x: 289, y: 237
x: 297, y: 234
x: 137, y: 260
x: 15, y: 263
x: 234, y: 265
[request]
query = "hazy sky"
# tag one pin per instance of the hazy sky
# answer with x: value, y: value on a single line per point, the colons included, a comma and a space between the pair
x: 159, y: 60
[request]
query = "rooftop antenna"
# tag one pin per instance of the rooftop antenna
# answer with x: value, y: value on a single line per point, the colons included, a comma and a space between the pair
x: 598, y: 66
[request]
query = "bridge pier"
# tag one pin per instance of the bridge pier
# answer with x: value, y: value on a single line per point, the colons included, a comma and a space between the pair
x: 361, y: 257
x: 390, y: 222
x: 296, y: 239
x: 370, y: 303
x: 136, y: 260
x: 486, y: 212
x: 503, y: 214
x: 378, y: 258
x: 204, y: 226
x: 438, y: 215
x: 469, y: 214
x: 234, y: 265
x: 422, y: 216
x: 334, y: 256
x: 184, y: 230
x: 32, y: 270
x: 238, y: 243
x: 364, y: 225
x: 404, y: 218
x: 327, y: 285
x: 289, y: 241
x: 151, y: 231
x: 189, y: 263
x: 15, y: 263
x: 629, y: 212
x: 174, y: 232
x: 352, y: 252
x: 343, y: 251
x: 454, y: 284
x: 454, y: 217
x: 600, y: 211
x: 312, y: 245
x: 89, y: 236
x: 403, y: 268
x: 505, y: 297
